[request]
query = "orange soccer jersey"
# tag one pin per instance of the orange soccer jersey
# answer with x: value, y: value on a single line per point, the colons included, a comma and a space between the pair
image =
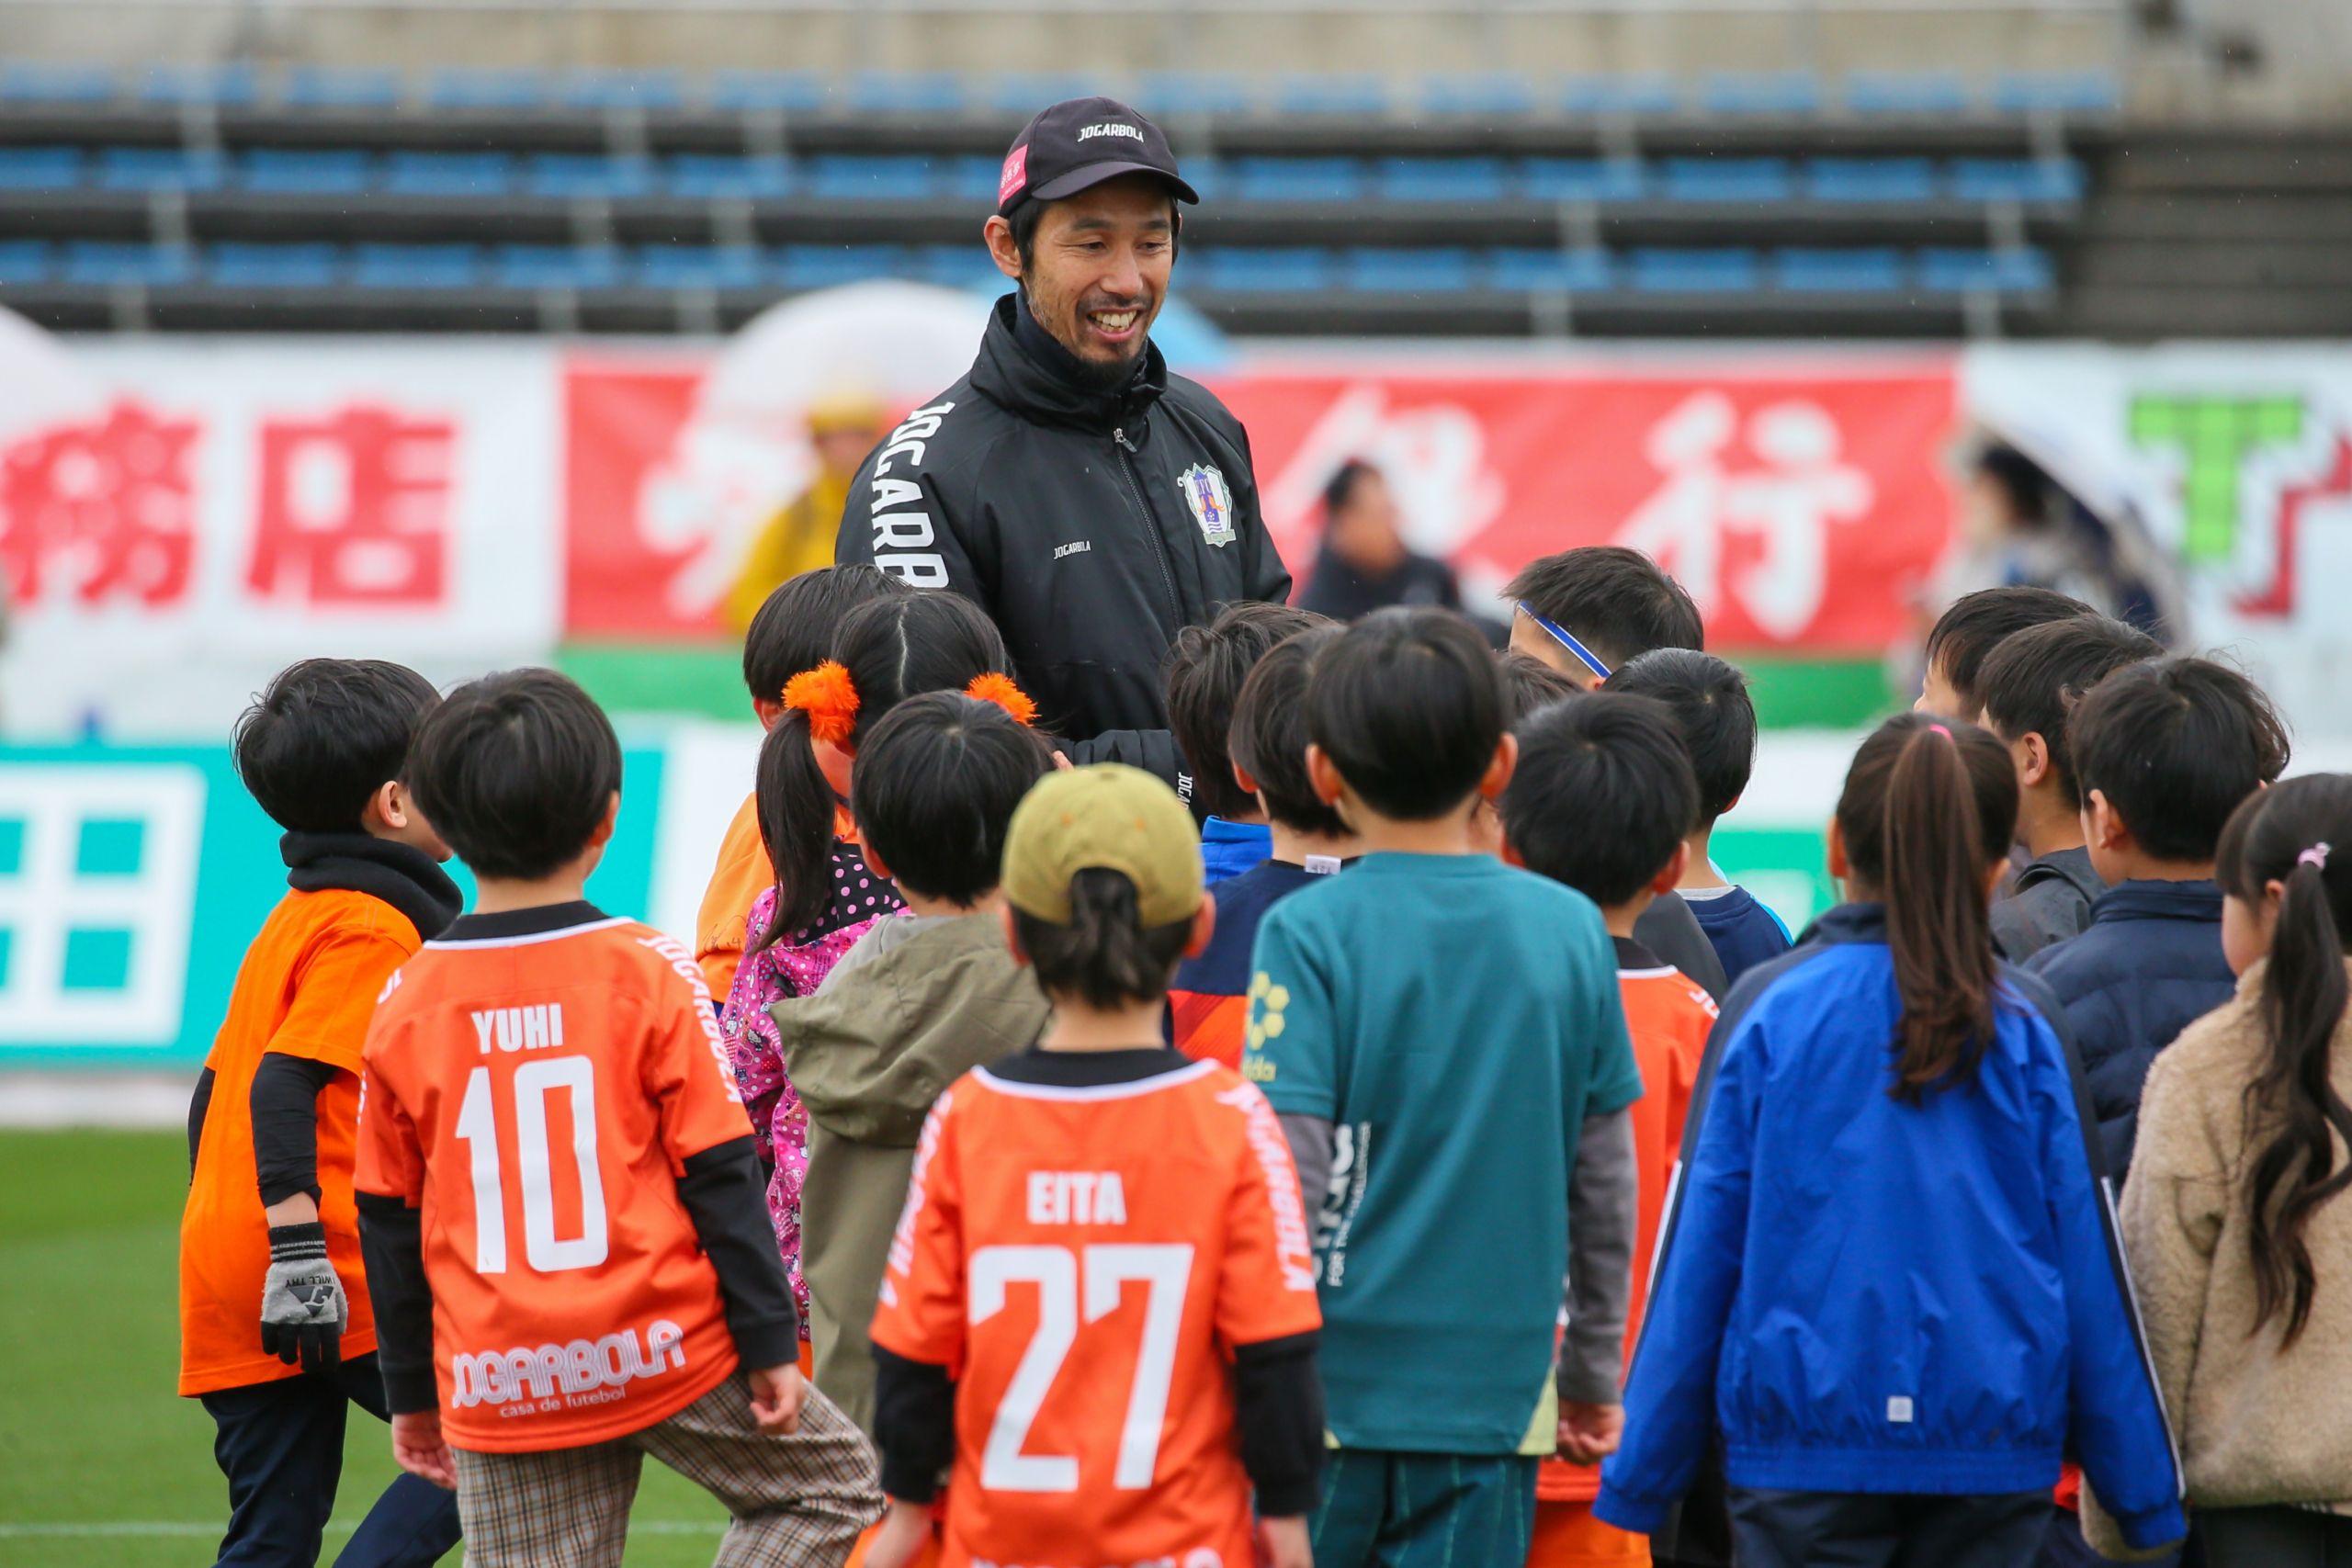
x: 537, y: 1096
x: 1083, y: 1261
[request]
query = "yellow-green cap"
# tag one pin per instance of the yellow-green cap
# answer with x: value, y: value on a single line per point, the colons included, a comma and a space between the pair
x: 1111, y: 816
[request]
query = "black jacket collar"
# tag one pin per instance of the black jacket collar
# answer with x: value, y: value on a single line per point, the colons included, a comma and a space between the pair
x: 1024, y: 370
x: 537, y: 921
x: 1087, y: 1069
x: 404, y: 877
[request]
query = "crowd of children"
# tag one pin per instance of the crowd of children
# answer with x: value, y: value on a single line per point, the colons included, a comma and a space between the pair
x: 1436, y: 1159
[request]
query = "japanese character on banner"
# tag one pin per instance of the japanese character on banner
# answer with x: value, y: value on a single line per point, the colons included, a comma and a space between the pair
x: 354, y: 510
x: 100, y: 511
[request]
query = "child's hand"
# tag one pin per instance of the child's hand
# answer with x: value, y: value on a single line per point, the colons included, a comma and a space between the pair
x: 418, y: 1447
x: 901, y: 1535
x: 1589, y: 1433
x: 777, y: 1394
x: 1283, y: 1543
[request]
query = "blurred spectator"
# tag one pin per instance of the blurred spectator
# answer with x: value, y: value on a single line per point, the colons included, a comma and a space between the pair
x: 843, y: 426
x: 2020, y: 526
x: 1364, y: 564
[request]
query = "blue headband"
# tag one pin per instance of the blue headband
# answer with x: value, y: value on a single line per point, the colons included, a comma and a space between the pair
x: 1568, y: 640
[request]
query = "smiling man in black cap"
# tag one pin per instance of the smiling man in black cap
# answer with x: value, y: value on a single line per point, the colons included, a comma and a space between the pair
x: 1091, y: 502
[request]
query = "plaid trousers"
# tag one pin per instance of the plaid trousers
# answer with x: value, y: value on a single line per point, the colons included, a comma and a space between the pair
x: 798, y: 1501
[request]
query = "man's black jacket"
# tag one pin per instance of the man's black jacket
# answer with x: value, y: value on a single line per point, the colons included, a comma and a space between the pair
x: 1092, y: 526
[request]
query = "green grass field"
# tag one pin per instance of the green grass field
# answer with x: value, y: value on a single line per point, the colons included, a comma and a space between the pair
x: 100, y: 1462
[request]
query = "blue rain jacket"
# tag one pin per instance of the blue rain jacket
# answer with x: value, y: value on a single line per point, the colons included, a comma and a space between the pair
x: 1860, y: 1295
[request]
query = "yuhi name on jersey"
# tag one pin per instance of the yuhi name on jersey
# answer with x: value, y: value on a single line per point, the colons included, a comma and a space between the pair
x: 525, y: 1382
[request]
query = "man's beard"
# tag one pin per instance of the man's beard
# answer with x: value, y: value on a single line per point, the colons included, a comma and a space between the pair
x: 1107, y: 374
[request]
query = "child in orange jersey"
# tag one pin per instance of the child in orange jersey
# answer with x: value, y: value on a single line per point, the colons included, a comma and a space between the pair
x: 270, y: 1270
x: 1601, y: 801
x: 559, y: 1195
x: 1098, y: 1312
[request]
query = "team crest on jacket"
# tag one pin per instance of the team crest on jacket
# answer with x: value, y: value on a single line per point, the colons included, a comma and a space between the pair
x: 1211, y: 503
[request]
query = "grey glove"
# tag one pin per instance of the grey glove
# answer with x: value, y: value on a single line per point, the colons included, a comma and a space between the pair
x: 302, y: 1310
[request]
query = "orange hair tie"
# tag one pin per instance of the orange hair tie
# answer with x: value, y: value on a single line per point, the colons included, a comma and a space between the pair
x: 1000, y: 690
x: 829, y: 699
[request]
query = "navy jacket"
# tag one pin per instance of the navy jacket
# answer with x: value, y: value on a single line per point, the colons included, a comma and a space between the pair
x: 1860, y: 1295
x: 1744, y: 931
x: 2148, y: 965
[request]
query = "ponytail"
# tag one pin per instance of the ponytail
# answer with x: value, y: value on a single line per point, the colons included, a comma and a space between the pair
x: 796, y: 813
x: 2287, y: 835
x: 1105, y: 954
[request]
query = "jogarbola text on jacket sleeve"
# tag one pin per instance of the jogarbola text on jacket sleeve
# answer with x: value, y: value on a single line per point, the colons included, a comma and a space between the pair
x: 903, y: 539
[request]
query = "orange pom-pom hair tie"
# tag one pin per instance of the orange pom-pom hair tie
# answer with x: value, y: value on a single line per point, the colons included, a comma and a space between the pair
x: 1000, y: 690
x: 829, y: 699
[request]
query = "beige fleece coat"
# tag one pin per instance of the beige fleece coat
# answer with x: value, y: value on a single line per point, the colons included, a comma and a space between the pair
x: 2256, y: 1424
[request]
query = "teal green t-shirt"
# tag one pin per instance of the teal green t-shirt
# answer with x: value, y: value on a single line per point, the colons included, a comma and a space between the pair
x: 1457, y: 1020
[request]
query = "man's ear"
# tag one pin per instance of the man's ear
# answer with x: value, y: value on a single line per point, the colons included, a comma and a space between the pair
x: 2034, y: 766
x: 1002, y: 251
x: 2102, y: 826
x: 1204, y: 927
x: 1011, y: 935
x: 1499, y: 772
x: 603, y: 834
x: 1676, y: 864
x: 1241, y: 776
x: 1323, y: 775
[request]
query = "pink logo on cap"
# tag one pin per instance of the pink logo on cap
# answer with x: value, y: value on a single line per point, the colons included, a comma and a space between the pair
x: 1015, y: 175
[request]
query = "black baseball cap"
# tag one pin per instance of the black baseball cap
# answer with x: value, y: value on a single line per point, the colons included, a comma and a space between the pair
x: 1081, y: 142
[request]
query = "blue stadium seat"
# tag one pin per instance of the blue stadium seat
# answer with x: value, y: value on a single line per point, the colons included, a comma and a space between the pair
x: 471, y: 89
x: 591, y: 177
x: 1585, y: 179
x: 240, y: 265
x: 225, y: 86
x: 700, y: 266
x: 38, y: 81
x: 971, y: 178
x: 822, y: 266
x: 448, y: 173
x: 416, y: 266
x: 1726, y: 271
x: 1515, y: 271
x: 25, y: 262
x: 1922, y: 93
x: 705, y: 176
x: 107, y: 264
x: 557, y: 267
x: 1023, y: 93
x: 909, y: 91
x: 158, y: 168
x: 1869, y: 179
x: 2023, y: 271
x: 1247, y: 270
x: 41, y: 168
x: 1440, y: 179
x: 2056, y: 92
x: 1621, y: 95
x: 1494, y: 97
x: 339, y: 171
x: 2017, y: 179
x: 1869, y: 271
x: 1305, y: 96
x: 769, y: 92
x: 1297, y: 179
x: 1174, y: 93
x: 656, y: 92
x: 961, y: 267
x: 1784, y: 92
x: 334, y: 87
x: 1726, y: 179
x: 1443, y: 270
x: 848, y: 176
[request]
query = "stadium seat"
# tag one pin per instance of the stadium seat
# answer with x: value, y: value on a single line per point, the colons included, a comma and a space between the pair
x: 768, y: 92
x: 699, y: 266
x: 846, y: 177
x: 41, y: 168
x: 1725, y: 179
x: 1245, y: 270
x: 1308, y: 96
x: 1869, y: 179
x: 1784, y: 92
x: 158, y: 168
x: 1023, y: 93
x: 974, y: 178
x: 1175, y: 93
x: 2056, y: 92
x: 707, y: 176
x: 1870, y: 271
x: 108, y: 264
x: 223, y: 86
x: 2022, y: 271
x: 1725, y: 271
x: 2017, y: 179
x: 1618, y: 95
x: 1444, y: 270
x: 591, y: 177
x: 822, y: 266
x: 38, y: 81
x: 1498, y: 97
x: 910, y: 92
x: 556, y: 267
x: 241, y: 265
x: 1585, y: 179
x: 24, y: 262
x: 1297, y: 179
x: 1515, y: 271
x: 1923, y: 92
x: 448, y: 173
x: 341, y: 171
x: 331, y: 87
x: 653, y: 91
x: 416, y: 266
x: 1440, y: 179
x: 961, y: 267
x: 467, y: 88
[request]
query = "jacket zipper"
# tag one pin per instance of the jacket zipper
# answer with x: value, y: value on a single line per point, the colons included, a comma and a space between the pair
x: 1151, y: 526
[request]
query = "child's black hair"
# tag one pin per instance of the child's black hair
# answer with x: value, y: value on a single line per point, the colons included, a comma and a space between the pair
x: 2297, y: 834
x: 1203, y: 675
x: 1268, y: 737
x: 1340, y: 488
x: 1714, y: 711
x: 797, y: 624
x: 1602, y: 796
x: 515, y: 771
x: 2175, y: 744
x: 329, y: 733
x: 935, y: 790
x: 1615, y: 600
x: 1106, y: 955
x: 1528, y: 683
x: 1927, y: 810
x: 1409, y: 706
x: 2030, y: 684
x: 1977, y: 623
